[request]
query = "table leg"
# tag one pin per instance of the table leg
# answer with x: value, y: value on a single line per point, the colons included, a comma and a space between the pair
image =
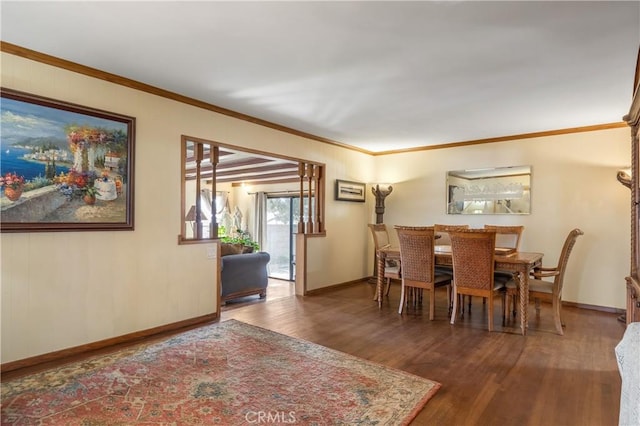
x: 380, y: 279
x: 524, y: 301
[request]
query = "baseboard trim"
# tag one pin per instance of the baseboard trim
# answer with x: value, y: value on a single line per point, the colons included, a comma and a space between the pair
x: 594, y: 307
x: 84, y: 350
x: 333, y: 287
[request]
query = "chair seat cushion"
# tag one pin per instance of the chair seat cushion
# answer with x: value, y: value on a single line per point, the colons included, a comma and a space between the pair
x: 534, y: 285
x: 391, y: 270
x: 540, y: 286
x: 442, y: 278
x: 440, y: 269
x: 503, y: 274
x: 504, y: 279
x: 497, y: 285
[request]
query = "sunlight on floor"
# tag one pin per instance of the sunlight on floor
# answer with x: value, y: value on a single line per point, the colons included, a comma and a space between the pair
x: 277, y: 289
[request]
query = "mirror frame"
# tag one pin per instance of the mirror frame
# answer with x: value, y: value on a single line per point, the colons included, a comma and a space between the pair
x: 495, y: 190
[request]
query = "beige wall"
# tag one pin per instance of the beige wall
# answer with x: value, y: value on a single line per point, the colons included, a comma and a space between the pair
x: 573, y: 185
x: 61, y: 290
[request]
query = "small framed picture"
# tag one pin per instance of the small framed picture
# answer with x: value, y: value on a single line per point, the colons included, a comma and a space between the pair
x: 350, y: 191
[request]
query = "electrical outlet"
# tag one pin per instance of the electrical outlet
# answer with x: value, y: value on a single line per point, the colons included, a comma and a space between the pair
x: 211, y: 253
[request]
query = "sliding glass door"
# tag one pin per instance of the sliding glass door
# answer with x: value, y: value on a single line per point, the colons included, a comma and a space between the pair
x: 283, y: 214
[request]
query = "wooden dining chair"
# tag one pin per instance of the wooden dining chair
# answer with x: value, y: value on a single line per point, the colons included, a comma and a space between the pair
x: 417, y: 258
x: 507, y: 237
x: 473, y: 268
x: 442, y: 231
x: 550, y: 291
x: 381, y: 240
x: 443, y: 239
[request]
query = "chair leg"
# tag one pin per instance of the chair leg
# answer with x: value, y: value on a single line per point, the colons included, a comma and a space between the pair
x: 455, y: 306
x: 388, y: 286
x: 432, y: 303
x: 490, y: 315
x: 402, y: 296
x: 556, y: 316
x: 511, y: 299
x: 537, y: 306
x: 504, y: 311
x: 504, y: 307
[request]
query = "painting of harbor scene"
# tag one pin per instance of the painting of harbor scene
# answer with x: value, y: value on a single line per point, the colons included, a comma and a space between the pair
x: 63, y: 166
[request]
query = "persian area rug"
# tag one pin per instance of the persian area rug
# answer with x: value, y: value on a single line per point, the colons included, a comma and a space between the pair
x: 229, y: 373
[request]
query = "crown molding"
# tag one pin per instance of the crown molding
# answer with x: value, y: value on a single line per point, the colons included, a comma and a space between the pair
x: 116, y: 79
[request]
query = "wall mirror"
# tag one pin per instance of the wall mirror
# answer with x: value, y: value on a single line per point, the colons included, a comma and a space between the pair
x: 500, y: 190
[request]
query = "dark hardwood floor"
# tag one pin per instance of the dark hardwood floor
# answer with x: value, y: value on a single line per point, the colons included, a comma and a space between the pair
x: 499, y: 378
x: 276, y: 289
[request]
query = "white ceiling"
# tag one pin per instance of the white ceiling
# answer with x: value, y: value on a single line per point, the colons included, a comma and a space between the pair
x: 376, y: 75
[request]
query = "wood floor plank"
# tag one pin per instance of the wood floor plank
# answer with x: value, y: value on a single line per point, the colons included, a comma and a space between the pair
x: 499, y: 378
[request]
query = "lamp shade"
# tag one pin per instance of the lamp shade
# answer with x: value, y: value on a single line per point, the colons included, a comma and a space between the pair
x: 191, y: 215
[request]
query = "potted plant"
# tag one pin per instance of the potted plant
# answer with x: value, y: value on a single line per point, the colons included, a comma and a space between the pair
x: 241, y: 237
x: 89, y: 193
x: 13, y: 185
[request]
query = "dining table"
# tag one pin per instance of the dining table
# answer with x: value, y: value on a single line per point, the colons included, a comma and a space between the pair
x: 519, y: 262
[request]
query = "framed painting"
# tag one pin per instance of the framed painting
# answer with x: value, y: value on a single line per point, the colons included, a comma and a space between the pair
x: 350, y: 191
x: 64, y: 167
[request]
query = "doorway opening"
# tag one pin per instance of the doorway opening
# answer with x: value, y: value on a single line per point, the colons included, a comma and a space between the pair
x: 283, y: 215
